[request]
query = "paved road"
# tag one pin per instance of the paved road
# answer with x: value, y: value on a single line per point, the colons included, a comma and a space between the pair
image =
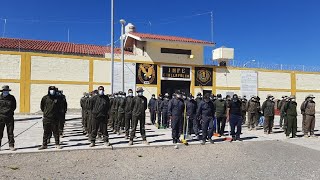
x: 243, y: 160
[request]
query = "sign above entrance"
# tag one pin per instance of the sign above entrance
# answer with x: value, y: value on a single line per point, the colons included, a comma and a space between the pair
x: 146, y: 73
x: 203, y: 76
x: 176, y: 73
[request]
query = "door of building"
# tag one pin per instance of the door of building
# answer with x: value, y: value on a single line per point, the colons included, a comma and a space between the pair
x: 170, y: 86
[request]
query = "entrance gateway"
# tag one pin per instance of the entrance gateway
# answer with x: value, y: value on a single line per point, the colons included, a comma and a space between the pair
x: 175, y: 78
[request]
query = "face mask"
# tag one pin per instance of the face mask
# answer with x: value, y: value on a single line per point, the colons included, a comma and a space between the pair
x: 131, y: 94
x: 5, y: 93
x: 101, y: 92
x: 52, y: 92
x: 189, y: 98
x: 140, y: 93
x: 179, y: 96
x: 293, y: 100
x: 184, y: 97
x: 123, y: 96
x: 153, y: 97
x: 219, y: 98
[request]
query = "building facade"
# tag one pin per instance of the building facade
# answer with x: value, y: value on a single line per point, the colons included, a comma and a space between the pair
x: 157, y: 63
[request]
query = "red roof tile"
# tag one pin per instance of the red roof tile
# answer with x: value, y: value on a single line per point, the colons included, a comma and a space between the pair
x: 169, y: 38
x: 56, y: 47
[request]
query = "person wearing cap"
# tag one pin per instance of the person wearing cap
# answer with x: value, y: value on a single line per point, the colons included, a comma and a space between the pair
x: 268, y: 112
x: 158, y: 110
x: 221, y: 114
x: 206, y: 110
x: 114, y: 111
x: 308, y: 110
x: 174, y: 96
x: 152, y: 108
x: 8, y: 105
x: 139, y: 107
x: 280, y: 107
x: 244, y: 109
x: 164, y: 110
x: 290, y: 111
x: 234, y: 116
x: 121, y: 112
x: 63, y: 110
x: 251, y: 107
x: 128, y: 113
x: 99, y: 105
x: 176, y: 111
x: 191, y: 114
x: 50, y: 107
x: 84, y: 112
x: 199, y: 98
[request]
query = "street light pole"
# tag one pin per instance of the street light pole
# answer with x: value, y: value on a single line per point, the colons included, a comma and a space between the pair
x: 245, y: 64
x: 123, y: 22
x: 112, y: 47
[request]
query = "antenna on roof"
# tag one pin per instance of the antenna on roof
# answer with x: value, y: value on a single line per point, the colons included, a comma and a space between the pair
x: 150, y: 25
x: 211, y: 26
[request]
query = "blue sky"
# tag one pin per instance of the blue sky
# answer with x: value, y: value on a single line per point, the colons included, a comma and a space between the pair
x: 275, y: 31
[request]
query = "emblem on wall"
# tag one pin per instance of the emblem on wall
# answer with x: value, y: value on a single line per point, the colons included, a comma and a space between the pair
x: 146, y: 73
x: 203, y: 76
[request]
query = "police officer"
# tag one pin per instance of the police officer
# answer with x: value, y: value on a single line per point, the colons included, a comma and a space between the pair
x: 100, y: 105
x: 121, y: 111
x: 114, y: 111
x: 308, y: 109
x: 128, y: 113
x: 8, y: 105
x: 234, y: 116
x: 139, y: 107
x: 50, y: 108
x: 268, y: 112
x: 198, y: 100
x: 280, y: 108
x: 158, y: 110
x: 206, y: 110
x: 174, y: 96
x: 252, y: 108
x: 221, y: 114
x: 83, y: 102
x: 152, y: 108
x: 191, y: 114
x: 290, y: 110
x: 244, y: 109
x: 164, y: 111
x: 176, y: 111
x: 63, y: 110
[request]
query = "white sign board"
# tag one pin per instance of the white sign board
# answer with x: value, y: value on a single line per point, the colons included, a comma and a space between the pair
x: 129, y: 76
x: 249, y: 83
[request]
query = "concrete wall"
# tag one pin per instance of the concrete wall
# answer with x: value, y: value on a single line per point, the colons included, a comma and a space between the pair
x: 10, y: 66
x: 274, y: 80
x: 308, y: 81
x: 226, y: 77
x: 101, y: 71
x: 59, y: 69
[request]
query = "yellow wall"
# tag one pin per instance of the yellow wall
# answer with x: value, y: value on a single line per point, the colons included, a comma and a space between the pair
x: 30, y: 74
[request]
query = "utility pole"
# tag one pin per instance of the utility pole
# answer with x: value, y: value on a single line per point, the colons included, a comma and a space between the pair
x: 112, y: 47
x: 122, y: 22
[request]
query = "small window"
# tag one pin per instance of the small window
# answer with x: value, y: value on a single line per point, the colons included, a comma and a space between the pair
x: 175, y: 51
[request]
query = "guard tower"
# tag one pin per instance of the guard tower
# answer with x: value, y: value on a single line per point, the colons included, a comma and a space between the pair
x: 223, y: 55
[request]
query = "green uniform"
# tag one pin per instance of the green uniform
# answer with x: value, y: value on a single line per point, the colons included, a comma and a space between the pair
x: 268, y: 112
x: 8, y: 105
x: 308, y: 108
x: 121, y: 111
x: 291, y: 113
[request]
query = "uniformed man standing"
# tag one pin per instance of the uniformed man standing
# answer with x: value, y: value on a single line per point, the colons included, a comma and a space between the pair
x: 176, y: 111
x: 268, y: 112
x: 121, y: 112
x: 191, y: 114
x: 198, y: 100
x: 114, y: 111
x: 51, y: 111
x: 8, y: 105
x: 244, y: 109
x: 252, y: 108
x: 308, y: 109
x: 139, y: 107
x: 152, y: 108
x: 280, y: 107
x: 164, y: 110
x: 100, y: 105
x: 290, y: 110
x: 206, y: 110
x: 63, y: 110
x: 83, y: 102
x: 235, y: 117
x: 158, y: 110
x: 221, y: 114
x: 128, y: 113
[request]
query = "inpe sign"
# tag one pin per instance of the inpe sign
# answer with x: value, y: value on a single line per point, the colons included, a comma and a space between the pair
x: 203, y: 76
x: 146, y: 73
x: 176, y: 73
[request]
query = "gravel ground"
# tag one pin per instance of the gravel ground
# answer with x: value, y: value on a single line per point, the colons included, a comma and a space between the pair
x: 238, y: 160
